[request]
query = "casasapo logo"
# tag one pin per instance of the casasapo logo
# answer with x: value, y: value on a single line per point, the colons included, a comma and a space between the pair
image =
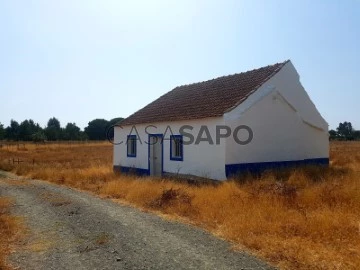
x: 242, y: 134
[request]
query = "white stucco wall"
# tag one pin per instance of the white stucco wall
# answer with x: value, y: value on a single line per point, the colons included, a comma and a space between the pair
x: 202, y: 160
x: 285, y: 123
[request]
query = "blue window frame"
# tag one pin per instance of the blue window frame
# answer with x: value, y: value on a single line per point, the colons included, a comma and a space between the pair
x: 131, y: 145
x: 176, y: 148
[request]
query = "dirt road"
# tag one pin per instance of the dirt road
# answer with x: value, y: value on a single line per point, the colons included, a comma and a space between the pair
x: 69, y: 229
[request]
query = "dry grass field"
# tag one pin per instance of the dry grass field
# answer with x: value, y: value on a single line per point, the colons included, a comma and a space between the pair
x: 9, y: 226
x: 305, y: 218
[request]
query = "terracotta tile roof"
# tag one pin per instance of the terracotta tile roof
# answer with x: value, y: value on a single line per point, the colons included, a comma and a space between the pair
x: 204, y: 99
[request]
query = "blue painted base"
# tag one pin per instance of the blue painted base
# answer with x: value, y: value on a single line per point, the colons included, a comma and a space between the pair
x: 137, y: 171
x: 234, y: 169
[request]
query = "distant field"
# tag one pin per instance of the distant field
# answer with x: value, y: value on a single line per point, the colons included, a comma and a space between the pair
x: 296, y: 219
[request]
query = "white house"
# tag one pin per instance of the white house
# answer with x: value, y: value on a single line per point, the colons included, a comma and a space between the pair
x: 249, y: 121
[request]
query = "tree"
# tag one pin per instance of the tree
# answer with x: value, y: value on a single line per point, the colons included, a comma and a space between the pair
x: 345, y: 131
x: 39, y: 136
x: 112, y: 123
x: 357, y: 135
x: 2, y: 132
x: 71, y: 132
x: 27, y: 128
x: 333, y: 134
x: 96, y: 129
x: 83, y: 136
x: 53, y: 122
x: 53, y: 129
x: 12, y: 131
x: 25, y: 131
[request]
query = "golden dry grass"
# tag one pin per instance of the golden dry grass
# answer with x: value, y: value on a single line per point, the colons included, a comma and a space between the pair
x: 8, y: 228
x: 296, y: 219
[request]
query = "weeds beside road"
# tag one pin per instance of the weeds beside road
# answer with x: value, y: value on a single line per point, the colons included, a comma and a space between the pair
x: 9, y: 229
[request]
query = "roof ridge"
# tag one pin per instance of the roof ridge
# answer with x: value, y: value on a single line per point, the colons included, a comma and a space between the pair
x: 234, y: 74
x: 281, y: 65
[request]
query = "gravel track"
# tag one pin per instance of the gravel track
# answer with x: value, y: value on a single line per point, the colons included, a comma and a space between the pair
x: 69, y: 229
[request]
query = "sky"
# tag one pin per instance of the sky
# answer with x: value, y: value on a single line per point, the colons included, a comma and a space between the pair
x: 78, y: 60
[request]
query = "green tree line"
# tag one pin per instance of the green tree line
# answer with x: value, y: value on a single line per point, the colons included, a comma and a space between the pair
x: 344, y: 132
x: 96, y: 129
x: 28, y: 130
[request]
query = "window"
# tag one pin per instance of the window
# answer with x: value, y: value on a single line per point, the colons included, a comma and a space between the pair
x: 176, y: 147
x: 131, y: 145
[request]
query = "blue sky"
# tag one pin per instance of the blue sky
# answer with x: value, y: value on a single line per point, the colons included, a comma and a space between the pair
x: 79, y: 60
